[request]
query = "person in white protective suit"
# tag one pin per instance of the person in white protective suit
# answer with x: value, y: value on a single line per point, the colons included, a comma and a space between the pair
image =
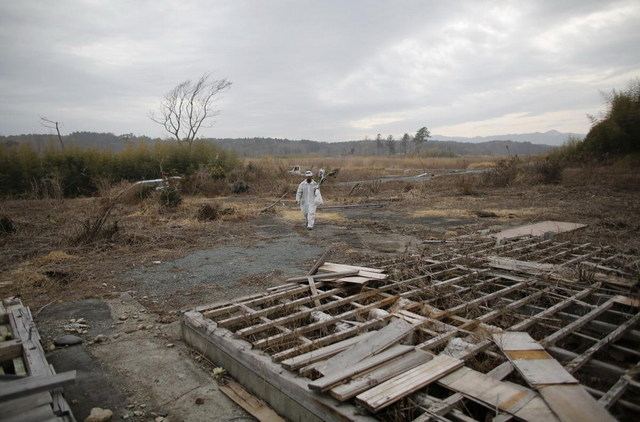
x: 308, y: 197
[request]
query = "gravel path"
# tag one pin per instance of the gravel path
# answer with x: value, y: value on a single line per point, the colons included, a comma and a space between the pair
x: 223, y: 267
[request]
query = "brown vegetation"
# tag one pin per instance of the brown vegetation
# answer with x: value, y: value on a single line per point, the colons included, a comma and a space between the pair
x: 73, y: 248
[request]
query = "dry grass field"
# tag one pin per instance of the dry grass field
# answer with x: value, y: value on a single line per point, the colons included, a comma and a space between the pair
x: 126, y: 254
x: 48, y: 257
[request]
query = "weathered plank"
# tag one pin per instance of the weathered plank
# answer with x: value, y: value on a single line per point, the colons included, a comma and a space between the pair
x: 323, y: 276
x: 508, y: 397
x: 379, y: 375
x: 531, y: 360
x: 304, y: 359
x: 19, y: 405
x: 581, y: 359
x: 314, y: 291
x: 337, y: 376
x: 34, y: 384
x: 385, y: 337
x: 572, y: 403
x: 402, y: 385
x: 345, y: 267
x: 257, y: 408
x: 546, y: 374
x: 10, y: 349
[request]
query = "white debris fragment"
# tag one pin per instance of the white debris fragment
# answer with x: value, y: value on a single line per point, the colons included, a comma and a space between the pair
x: 318, y: 316
x: 457, y: 347
x: 377, y: 313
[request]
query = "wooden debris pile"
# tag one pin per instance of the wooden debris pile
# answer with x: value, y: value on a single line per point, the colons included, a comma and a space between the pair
x: 475, y: 335
x: 30, y: 389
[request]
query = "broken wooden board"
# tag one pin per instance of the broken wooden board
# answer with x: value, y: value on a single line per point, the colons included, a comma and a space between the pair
x: 384, y: 338
x: 505, y: 396
x: 538, y: 229
x: 572, y: 403
x: 365, y: 273
x: 338, y: 376
x: 409, y: 382
x: 531, y: 359
x: 511, y: 264
x: 326, y: 352
x: 379, y: 375
x: 36, y: 384
x: 549, y: 377
x: 255, y: 407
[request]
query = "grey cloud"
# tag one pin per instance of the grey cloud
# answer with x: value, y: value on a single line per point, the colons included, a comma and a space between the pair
x: 309, y: 69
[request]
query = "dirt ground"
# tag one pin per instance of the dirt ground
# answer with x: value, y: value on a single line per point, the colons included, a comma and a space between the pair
x: 148, y: 264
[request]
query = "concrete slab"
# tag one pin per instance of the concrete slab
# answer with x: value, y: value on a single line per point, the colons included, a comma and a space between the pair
x: 538, y: 229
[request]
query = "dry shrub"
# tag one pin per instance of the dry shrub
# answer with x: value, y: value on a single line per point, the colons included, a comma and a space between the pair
x: 169, y: 196
x: 547, y: 172
x: 203, y: 183
x: 48, y: 188
x: 208, y: 212
x: 504, y: 173
x: 99, y: 225
x: 26, y: 279
x: 54, y: 257
x: 467, y: 185
x: 6, y: 225
x: 482, y: 165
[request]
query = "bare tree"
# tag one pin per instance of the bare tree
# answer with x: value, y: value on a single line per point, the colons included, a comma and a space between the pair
x: 186, y: 108
x: 52, y: 125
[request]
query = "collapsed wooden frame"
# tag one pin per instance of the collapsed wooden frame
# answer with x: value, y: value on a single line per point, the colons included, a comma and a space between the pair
x: 573, y: 299
x: 30, y: 389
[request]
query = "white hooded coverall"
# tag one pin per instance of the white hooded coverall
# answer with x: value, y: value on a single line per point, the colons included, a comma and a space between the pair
x: 306, y: 197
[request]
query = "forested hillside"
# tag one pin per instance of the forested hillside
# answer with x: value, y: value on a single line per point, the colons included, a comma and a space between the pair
x: 256, y: 147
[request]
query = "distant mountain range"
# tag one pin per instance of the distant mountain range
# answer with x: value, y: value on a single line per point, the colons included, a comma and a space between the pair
x: 514, y: 144
x: 552, y: 137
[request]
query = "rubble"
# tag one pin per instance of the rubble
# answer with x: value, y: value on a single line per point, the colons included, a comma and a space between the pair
x: 443, y: 332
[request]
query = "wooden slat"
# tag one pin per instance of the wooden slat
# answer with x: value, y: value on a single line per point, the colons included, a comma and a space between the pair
x: 402, y: 385
x: 34, y: 384
x: 43, y: 413
x: 10, y: 349
x: 19, y: 367
x: 541, y: 371
x: 24, y: 328
x: 287, y: 305
x: 581, y: 359
x: 19, y: 405
x: 304, y: 359
x: 257, y: 408
x: 580, y: 322
x: 377, y: 376
x: 304, y: 313
x: 328, y: 340
x: 618, y: 389
x: 320, y: 262
x: 572, y: 403
x: 314, y: 326
x: 314, y: 291
x: 344, y: 267
x: 336, y: 377
x: 353, y: 280
x: 322, y: 276
x: 530, y: 359
x: 508, y: 397
x: 385, y: 337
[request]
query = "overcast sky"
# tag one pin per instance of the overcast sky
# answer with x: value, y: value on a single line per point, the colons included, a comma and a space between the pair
x: 325, y: 70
